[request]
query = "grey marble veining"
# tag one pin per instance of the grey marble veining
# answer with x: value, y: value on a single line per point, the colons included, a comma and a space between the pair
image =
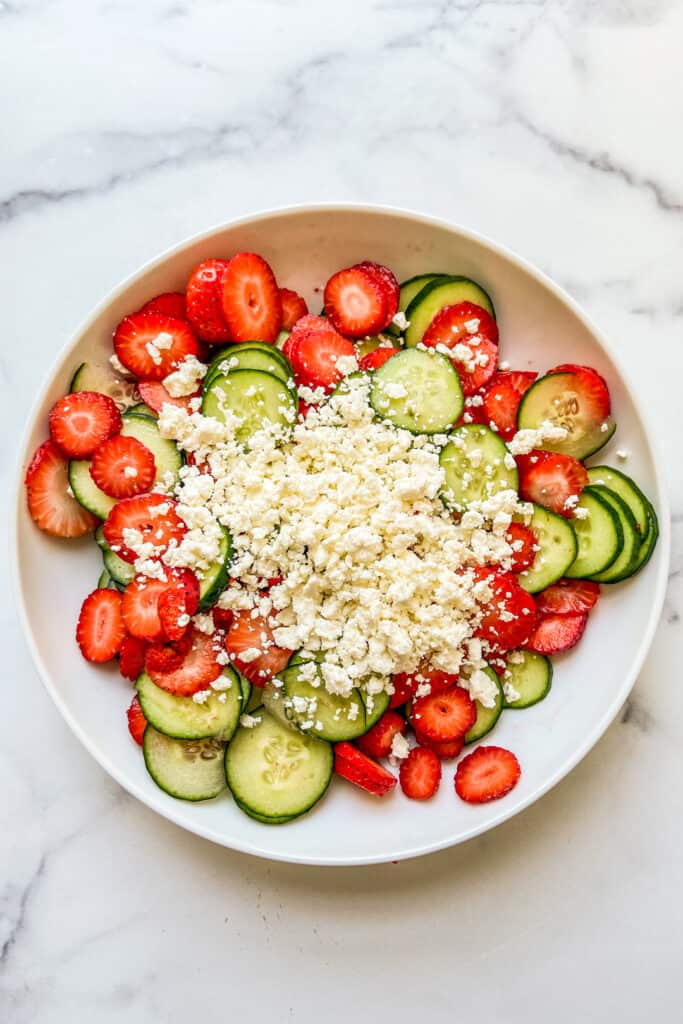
x: 551, y: 125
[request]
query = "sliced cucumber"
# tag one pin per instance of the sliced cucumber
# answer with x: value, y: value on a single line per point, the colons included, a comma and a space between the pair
x: 486, y: 717
x: 473, y: 462
x: 246, y: 357
x: 281, y: 339
x: 212, y: 582
x: 648, y: 545
x: 554, y: 399
x: 627, y: 490
x: 121, y: 572
x: 275, y: 772
x: 624, y: 564
x: 257, y: 398
x: 298, y: 658
x: 246, y: 690
x: 140, y: 409
x: 409, y: 289
x: 185, y: 769
x: 225, y: 354
x: 167, y: 459
x: 444, y: 291
x: 182, y: 718
x: 105, y: 581
x: 375, y: 706
x: 600, y: 536
x: 102, y: 377
x: 557, y: 550
x: 333, y: 718
x: 417, y: 391
x: 531, y: 675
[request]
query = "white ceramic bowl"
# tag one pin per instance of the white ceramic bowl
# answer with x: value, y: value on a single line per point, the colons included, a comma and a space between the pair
x: 540, y: 326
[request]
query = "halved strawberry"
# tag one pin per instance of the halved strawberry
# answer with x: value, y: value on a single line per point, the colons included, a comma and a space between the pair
x: 137, y: 723
x: 488, y: 773
x: 122, y: 467
x: 167, y: 304
x: 173, y: 614
x: 523, y: 542
x: 406, y: 684
x: 198, y: 670
x: 420, y: 774
x: 551, y: 479
x: 553, y: 634
x: 81, y: 421
x: 140, y: 608
x: 354, y: 766
x: 187, y: 581
x: 50, y: 502
x: 315, y: 356
x: 151, y: 345
x: 250, y: 297
x: 508, y: 617
x: 153, y: 516
x: 469, y: 325
x: 356, y: 301
x: 222, y: 617
x: 446, y: 751
x: 501, y: 400
x: 253, y: 650
x: 445, y: 716
x: 593, y: 387
x: 155, y: 395
x: 167, y: 657
x: 100, y: 630
x: 567, y: 597
x: 132, y: 657
x: 376, y: 742
x: 293, y: 308
x: 204, y: 301
x: 307, y: 325
x: 389, y: 284
x: 373, y: 360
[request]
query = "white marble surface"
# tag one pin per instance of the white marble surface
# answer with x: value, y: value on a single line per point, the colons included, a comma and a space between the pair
x: 553, y: 126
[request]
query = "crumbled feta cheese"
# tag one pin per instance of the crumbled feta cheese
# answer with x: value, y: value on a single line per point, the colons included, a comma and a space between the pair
x: 118, y: 367
x: 184, y: 380
x: 250, y: 721
x: 347, y: 365
x: 401, y: 322
x: 525, y: 441
x: 623, y: 454
x: 201, y: 696
x: 581, y: 513
x: 510, y: 693
x: 399, y: 748
x: 472, y: 326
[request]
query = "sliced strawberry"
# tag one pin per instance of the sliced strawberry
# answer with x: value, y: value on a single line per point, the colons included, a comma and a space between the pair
x: 406, y: 684
x: 501, y: 400
x: 164, y: 657
x: 356, y: 301
x: 151, y: 345
x: 594, y: 387
x: 122, y: 467
x: 222, y: 617
x: 523, y: 542
x: 153, y: 516
x: 469, y: 325
x: 553, y: 634
x: 376, y: 742
x: 132, y: 657
x: 420, y: 774
x: 315, y: 356
x: 508, y: 618
x: 552, y: 480
x: 308, y: 325
x: 443, y: 717
x: 373, y: 360
x: 155, y: 395
x: 304, y: 409
x: 389, y: 285
x: 204, y: 301
x: 250, y: 297
x: 81, y: 421
x: 186, y: 580
x: 50, y: 502
x: 354, y: 766
x: 137, y: 723
x: 488, y: 773
x: 566, y: 597
x: 198, y: 670
x: 173, y: 614
x: 253, y: 650
x: 100, y: 631
x: 446, y: 751
x: 140, y: 608
x: 168, y: 304
x: 293, y: 308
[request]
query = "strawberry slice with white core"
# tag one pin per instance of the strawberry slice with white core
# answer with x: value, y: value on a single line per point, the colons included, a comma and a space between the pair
x: 488, y: 773
x: 152, y: 345
x: 552, y: 480
x: 122, y: 467
x: 252, y: 648
x: 356, y: 302
x: 100, y: 630
x: 389, y: 285
x: 149, y: 519
x: 318, y: 359
x: 554, y: 634
x: 81, y: 421
x: 141, y: 608
x: 50, y: 502
x: 198, y: 670
x: 566, y: 597
x: 470, y: 333
x: 501, y: 400
x: 250, y: 298
x: 204, y: 301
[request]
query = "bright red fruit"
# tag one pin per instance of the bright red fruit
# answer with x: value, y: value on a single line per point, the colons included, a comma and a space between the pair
x: 354, y: 766
x: 376, y: 742
x: 314, y: 358
x: 508, y: 618
x: 523, y: 541
x: 551, y: 479
x: 155, y: 395
x: 122, y: 467
x: 373, y: 360
x: 153, y: 516
x: 81, y: 421
x: 470, y: 325
x: 254, y: 634
x: 420, y: 774
x: 100, y: 630
x: 168, y: 304
x: 553, y: 634
x: 197, y: 671
x: 293, y: 308
x: 488, y: 773
x: 357, y: 302
x: 137, y: 723
x: 250, y: 298
x: 502, y: 396
x: 132, y: 657
x: 50, y: 504
x: 443, y: 717
x: 566, y: 597
x: 204, y: 301
x: 151, y: 345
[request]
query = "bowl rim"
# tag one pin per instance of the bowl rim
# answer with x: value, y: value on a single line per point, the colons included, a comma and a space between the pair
x: 601, y: 725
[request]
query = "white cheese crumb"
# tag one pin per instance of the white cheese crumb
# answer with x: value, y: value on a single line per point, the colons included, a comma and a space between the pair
x: 400, y: 748
x: 201, y: 697
x: 249, y: 721
x: 347, y: 365
x: 184, y: 380
x: 525, y: 441
x: 623, y: 454
x: 401, y: 322
x: 510, y: 693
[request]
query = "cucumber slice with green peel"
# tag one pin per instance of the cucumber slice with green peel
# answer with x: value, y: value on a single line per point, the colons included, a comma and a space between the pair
x: 167, y: 459
x: 375, y: 705
x: 281, y: 339
x: 282, y: 820
x: 486, y: 717
x: 182, y: 718
x: 226, y: 353
x: 246, y: 689
x: 244, y: 357
x: 417, y: 390
x: 599, y: 536
x: 212, y: 582
x: 409, y: 289
x: 275, y: 772
x: 558, y: 399
x: 648, y: 545
x: 367, y: 345
x: 143, y: 410
x: 105, y: 581
x: 103, y: 378
x: 531, y: 675
x: 624, y: 564
x: 257, y: 398
x: 432, y: 298
x: 185, y: 769
x: 627, y: 490
x: 474, y: 465
x: 121, y: 572
x: 333, y: 717
x: 299, y: 658
x: 557, y: 550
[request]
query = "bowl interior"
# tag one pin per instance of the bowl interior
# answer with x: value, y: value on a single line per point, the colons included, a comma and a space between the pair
x: 539, y: 327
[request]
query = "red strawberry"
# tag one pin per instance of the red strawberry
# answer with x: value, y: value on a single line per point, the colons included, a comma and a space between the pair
x: 592, y: 385
x: 307, y: 325
x: 140, y: 608
x: 304, y: 409
x: 81, y: 421
x: 356, y: 301
x: 122, y: 467
x: 373, y: 360
x: 155, y: 395
x: 551, y: 479
x: 354, y: 766
x: 50, y: 503
x: 446, y: 751
x: 420, y: 774
x: 222, y: 617
x: 293, y: 308
x: 137, y: 723
x: 151, y: 345
x: 567, y: 597
x: 501, y: 400
x: 467, y: 324
x: 248, y: 634
x: 168, y: 304
x: 508, y: 617
x: 251, y: 299
x: 173, y: 614
x: 444, y: 716
x: 204, y: 301
x: 553, y: 634
x: 405, y: 685
x: 376, y: 742
x: 100, y: 631
x: 167, y: 657
x: 523, y: 542
x: 389, y: 285
x: 187, y: 581
x: 198, y: 670
x: 153, y: 516
x: 314, y: 358
x: 488, y: 773
x: 132, y: 657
